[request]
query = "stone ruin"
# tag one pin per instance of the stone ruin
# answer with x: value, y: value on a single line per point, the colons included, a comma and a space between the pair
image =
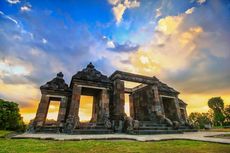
x: 154, y: 106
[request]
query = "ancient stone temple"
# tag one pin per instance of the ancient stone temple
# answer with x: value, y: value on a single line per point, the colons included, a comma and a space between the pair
x: 154, y: 106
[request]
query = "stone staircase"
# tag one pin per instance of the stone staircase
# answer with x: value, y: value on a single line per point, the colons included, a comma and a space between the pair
x: 49, y: 129
x: 92, y: 128
x: 148, y: 127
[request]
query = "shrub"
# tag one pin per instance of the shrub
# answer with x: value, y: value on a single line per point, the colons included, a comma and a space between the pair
x: 10, y: 118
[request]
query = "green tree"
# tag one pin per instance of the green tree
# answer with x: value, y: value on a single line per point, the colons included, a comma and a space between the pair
x: 217, y: 105
x: 10, y: 118
x: 227, y: 114
x: 199, y: 120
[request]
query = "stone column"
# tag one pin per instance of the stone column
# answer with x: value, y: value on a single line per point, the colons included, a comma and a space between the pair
x: 119, y: 98
x: 42, y: 111
x: 95, y: 109
x: 131, y: 106
x: 185, y: 111
x: 156, y: 102
x: 62, y: 111
x: 119, y: 104
x: 178, y: 113
x: 105, y: 101
x: 75, y: 101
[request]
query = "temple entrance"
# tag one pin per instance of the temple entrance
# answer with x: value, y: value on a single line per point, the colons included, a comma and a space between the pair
x: 89, y: 105
x: 127, y: 104
x: 182, y: 111
x: 86, y: 108
x: 52, y: 112
x: 169, y: 108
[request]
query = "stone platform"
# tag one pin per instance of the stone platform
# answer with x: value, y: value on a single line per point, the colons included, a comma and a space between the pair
x: 198, y: 136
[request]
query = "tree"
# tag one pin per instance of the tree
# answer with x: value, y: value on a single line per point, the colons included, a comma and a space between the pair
x: 10, y: 118
x: 227, y: 114
x: 199, y: 120
x: 217, y: 105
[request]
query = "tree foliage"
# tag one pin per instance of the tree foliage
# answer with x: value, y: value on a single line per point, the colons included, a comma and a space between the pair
x: 10, y: 118
x: 199, y: 120
x: 227, y: 114
x: 217, y: 105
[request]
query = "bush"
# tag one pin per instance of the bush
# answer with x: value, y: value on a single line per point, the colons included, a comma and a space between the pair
x: 10, y: 118
x: 199, y: 120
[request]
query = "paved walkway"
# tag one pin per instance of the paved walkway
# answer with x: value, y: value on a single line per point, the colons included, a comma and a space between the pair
x: 200, y: 136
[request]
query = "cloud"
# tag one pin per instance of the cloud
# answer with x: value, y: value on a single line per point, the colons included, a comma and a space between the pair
x: 158, y: 12
x: 26, y: 8
x: 118, y: 12
x: 44, y: 41
x: 13, y: 1
x: 119, y: 7
x: 8, y: 17
x: 187, y: 51
x: 128, y: 46
x: 190, y: 11
x: 201, y: 1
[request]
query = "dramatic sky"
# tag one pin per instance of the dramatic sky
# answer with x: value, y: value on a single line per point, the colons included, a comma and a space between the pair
x: 184, y: 43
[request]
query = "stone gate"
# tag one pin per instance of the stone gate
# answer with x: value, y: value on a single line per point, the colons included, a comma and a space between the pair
x: 154, y: 106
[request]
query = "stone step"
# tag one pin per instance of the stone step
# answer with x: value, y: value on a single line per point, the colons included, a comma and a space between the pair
x: 93, y: 131
x: 188, y: 130
x: 49, y: 129
x: 151, y: 124
x: 156, y: 132
x: 155, y: 128
x: 94, y: 127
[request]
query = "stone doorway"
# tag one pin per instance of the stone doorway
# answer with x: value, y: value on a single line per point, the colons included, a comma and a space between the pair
x: 169, y: 108
x: 86, y: 108
x: 52, y: 113
x: 182, y: 111
x: 93, y: 95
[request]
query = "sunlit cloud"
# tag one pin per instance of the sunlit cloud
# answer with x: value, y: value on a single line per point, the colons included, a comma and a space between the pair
x: 119, y: 7
x: 13, y: 1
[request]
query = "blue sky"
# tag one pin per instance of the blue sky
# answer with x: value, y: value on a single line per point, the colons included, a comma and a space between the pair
x: 184, y: 43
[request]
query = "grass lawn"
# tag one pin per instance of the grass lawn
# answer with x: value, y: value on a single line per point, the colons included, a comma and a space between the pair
x: 4, y: 133
x: 110, y: 146
x: 225, y: 136
x: 218, y: 130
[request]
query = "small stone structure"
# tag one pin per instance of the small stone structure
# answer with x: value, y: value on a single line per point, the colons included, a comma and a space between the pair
x: 154, y: 106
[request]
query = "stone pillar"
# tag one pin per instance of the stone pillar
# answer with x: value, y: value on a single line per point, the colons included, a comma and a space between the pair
x: 62, y: 111
x: 75, y: 101
x: 119, y: 104
x: 131, y: 106
x: 95, y: 109
x: 42, y: 111
x: 178, y: 113
x: 157, y: 107
x: 185, y: 111
x: 105, y: 101
x: 119, y: 99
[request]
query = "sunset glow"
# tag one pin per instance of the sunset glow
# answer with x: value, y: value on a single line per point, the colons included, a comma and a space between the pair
x: 184, y: 44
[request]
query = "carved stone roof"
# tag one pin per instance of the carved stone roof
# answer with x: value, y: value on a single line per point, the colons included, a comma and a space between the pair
x: 165, y: 88
x: 91, y: 74
x: 58, y: 83
x: 182, y: 102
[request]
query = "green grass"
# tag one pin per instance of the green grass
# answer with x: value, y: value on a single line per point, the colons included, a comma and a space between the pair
x: 93, y: 146
x: 225, y: 136
x: 3, y: 133
x: 218, y: 130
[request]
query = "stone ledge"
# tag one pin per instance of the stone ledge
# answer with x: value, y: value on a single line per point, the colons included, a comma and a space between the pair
x: 197, y: 136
